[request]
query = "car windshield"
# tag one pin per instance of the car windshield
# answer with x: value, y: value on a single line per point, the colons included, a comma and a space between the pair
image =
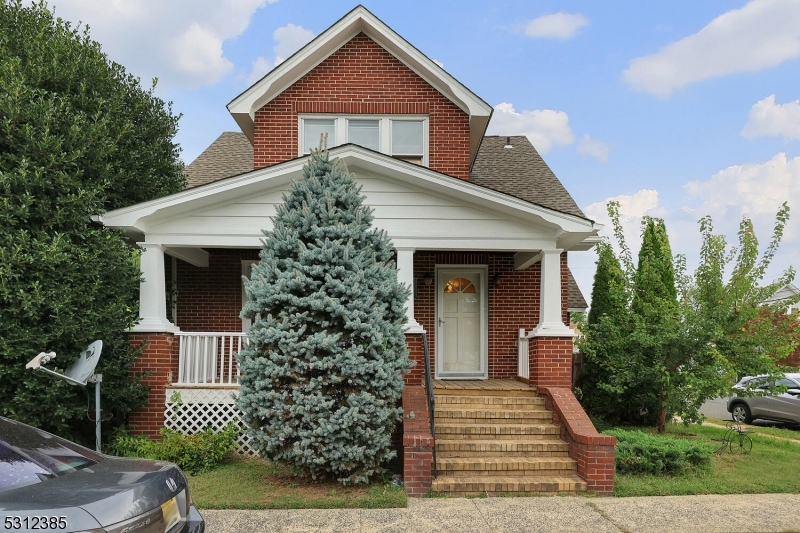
x: 29, y: 455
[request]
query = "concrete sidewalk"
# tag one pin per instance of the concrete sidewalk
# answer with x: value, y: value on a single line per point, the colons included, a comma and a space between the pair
x: 684, y: 514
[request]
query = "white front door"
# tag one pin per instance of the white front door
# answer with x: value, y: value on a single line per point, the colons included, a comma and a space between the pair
x: 461, y: 323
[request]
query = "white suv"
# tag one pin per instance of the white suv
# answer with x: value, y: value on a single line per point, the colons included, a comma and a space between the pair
x: 779, y: 407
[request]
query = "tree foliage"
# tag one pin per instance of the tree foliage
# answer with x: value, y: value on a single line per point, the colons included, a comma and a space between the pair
x: 78, y: 136
x: 683, y: 339
x: 323, y: 373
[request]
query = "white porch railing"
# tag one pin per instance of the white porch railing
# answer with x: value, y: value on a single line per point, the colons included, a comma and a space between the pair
x: 209, y: 359
x: 523, y: 361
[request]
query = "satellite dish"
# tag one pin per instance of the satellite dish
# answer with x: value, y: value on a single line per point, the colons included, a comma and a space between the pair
x: 83, y: 367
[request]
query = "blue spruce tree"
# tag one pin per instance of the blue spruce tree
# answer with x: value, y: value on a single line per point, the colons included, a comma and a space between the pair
x: 323, y: 373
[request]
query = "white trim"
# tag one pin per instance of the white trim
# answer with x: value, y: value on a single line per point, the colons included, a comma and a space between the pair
x: 152, y: 291
x: 483, y: 273
x: 571, y: 229
x: 384, y: 131
x: 405, y: 275
x: 523, y: 260
x: 194, y: 256
x: 550, y: 298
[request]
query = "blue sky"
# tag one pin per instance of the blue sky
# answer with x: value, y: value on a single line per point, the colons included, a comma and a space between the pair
x: 678, y: 109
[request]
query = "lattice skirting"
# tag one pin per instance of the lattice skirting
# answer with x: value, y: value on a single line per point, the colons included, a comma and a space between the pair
x: 193, y: 410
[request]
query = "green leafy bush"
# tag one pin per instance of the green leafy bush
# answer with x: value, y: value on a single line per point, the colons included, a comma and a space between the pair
x: 645, y: 453
x: 194, y: 453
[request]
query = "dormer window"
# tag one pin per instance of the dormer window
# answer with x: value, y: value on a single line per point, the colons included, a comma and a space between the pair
x: 402, y: 136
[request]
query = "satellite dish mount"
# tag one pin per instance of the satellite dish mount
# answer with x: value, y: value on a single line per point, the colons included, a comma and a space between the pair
x: 80, y: 372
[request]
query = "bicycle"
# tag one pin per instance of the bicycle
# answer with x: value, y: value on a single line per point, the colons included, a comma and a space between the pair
x: 736, y: 440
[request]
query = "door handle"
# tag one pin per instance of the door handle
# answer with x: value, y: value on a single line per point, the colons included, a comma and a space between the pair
x: 441, y: 322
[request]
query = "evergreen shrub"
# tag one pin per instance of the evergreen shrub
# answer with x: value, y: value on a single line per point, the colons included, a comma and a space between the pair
x: 644, y: 453
x: 322, y: 376
x: 195, y: 453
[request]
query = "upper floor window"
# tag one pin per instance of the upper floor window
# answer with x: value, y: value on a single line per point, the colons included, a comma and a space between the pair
x: 401, y: 136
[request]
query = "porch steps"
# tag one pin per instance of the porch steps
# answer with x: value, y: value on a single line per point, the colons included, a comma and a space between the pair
x: 498, y: 438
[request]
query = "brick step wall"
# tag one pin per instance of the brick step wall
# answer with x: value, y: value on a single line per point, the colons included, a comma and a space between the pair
x: 500, y: 443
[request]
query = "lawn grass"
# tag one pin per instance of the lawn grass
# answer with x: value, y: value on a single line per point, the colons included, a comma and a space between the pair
x: 791, y: 434
x: 769, y: 468
x: 240, y: 483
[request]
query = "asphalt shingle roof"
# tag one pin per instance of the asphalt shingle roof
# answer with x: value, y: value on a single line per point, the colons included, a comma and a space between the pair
x: 575, y: 299
x: 520, y: 171
x: 229, y: 155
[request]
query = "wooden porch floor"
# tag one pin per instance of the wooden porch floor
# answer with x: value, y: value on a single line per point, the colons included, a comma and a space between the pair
x: 483, y: 387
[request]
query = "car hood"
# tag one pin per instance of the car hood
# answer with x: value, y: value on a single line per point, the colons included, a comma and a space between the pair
x: 111, y: 491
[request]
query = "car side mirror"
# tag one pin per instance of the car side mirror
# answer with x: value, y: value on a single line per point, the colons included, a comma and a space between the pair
x: 793, y: 392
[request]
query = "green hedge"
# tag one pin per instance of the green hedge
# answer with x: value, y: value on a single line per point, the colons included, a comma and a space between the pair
x: 645, y: 453
x: 194, y: 453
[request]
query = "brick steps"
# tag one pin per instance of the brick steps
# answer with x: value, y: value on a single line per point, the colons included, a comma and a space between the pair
x: 451, y: 401
x: 507, y: 466
x: 501, y: 448
x: 500, y: 442
x: 505, y: 416
x: 454, y: 429
x: 499, y: 485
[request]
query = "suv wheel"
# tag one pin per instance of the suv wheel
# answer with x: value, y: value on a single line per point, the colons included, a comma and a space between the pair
x: 741, y: 413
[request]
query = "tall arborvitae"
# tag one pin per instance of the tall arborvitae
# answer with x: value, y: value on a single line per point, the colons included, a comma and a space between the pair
x: 323, y: 373
x: 655, y: 275
x: 607, y: 278
x: 609, y: 311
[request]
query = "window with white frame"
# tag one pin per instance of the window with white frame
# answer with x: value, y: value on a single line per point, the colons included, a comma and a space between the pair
x: 401, y: 136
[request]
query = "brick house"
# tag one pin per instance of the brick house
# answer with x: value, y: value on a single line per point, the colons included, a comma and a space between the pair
x: 482, y: 229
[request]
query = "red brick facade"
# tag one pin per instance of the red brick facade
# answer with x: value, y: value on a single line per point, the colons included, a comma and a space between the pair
x: 363, y: 78
x: 417, y: 442
x: 593, y: 452
x: 513, y: 302
x: 160, y: 360
x: 210, y: 299
x: 551, y: 361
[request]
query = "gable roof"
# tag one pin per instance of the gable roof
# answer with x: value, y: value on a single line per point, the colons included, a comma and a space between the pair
x: 360, y: 20
x: 230, y: 154
x: 520, y: 171
x: 575, y: 300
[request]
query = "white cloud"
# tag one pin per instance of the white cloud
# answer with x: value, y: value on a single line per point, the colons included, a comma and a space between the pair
x: 180, y: 41
x: 597, y: 149
x: 762, y: 34
x: 543, y: 127
x: 288, y: 40
x: 556, y: 26
x: 768, y: 119
x: 438, y: 62
x: 753, y: 189
x: 632, y: 207
x: 756, y: 190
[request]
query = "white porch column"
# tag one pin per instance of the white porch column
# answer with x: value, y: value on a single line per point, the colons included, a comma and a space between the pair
x: 405, y: 274
x: 152, y: 295
x: 550, y: 322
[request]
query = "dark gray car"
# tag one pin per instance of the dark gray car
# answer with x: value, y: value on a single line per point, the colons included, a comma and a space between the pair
x: 771, y: 405
x: 48, y: 483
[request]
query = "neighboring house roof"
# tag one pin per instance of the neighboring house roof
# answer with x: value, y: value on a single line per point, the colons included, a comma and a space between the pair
x: 520, y: 171
x: 787, y: 292
x: 230, y: 154
x: 360, y: 20
x: 575, y: 300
